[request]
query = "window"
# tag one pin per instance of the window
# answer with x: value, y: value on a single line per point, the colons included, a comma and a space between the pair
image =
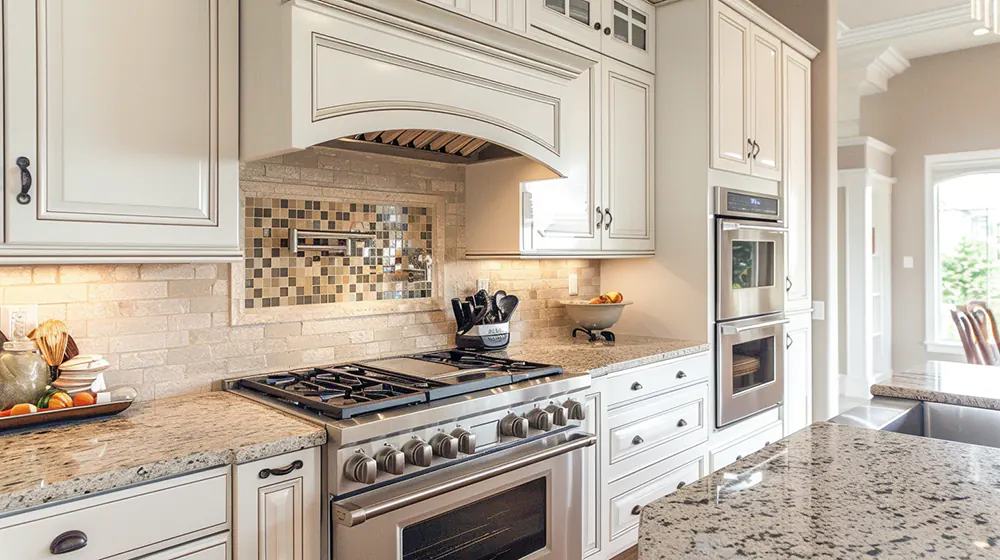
x: 963, y: 239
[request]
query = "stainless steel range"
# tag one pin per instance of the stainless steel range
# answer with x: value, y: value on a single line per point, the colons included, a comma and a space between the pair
x: 444, y: 455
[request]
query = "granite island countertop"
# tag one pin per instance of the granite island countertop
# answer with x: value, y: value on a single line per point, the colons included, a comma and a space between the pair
x: 945, y: 382
x: 150, y: 440
x: 579, y: 355
x: 834, y: 491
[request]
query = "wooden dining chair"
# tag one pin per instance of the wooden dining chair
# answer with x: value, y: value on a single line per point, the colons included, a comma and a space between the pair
x: 989, y: 337
x: 974, y: 353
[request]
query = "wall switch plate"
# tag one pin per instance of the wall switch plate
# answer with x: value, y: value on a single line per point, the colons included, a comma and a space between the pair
x: 12, y: 316
x: 907, y: 262
x: 819, y: 311
x: 483, y: 284
x: 574, y: 285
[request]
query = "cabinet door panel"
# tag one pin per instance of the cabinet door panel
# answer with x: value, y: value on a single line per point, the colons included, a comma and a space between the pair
x: 571, y: 20
x: 632, y: 25
x: 592, y: 476
x: 765, y: 65
x: 628, y: 158
x: 798, y: 178
x: 798, y: 374
x: 730, y: 91
x: 119, y: 107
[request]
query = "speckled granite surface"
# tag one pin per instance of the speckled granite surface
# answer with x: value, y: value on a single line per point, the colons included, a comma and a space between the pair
x: 151, y: 440
x: 945, y: 382
x: 628, y: 352
x: 833, y: 491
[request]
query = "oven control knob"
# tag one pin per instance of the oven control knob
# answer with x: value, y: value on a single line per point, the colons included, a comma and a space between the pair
x: 445, y: 446
x: 540, y: 419
x: 575, y: 410
x: 390, y: 460
x: 514, y: 425
x: 558, y: 414
x: 466, y: 440
x: 417, y: 452
x: 360, y: 468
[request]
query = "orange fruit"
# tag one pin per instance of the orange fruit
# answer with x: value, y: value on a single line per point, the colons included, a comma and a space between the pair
x: 83, y: 399
x: 23, y: 408
x: 60, y: 400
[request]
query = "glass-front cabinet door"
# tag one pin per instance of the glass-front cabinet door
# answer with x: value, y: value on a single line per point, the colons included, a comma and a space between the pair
x: 629, y: 32
x: 576, y: 21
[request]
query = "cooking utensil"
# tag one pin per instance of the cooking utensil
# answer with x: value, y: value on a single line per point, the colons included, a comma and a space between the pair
x: 469, y: 315
x: 496, y: 316
x: 52, y: 336
x: 595, y: 317
x: 477, y: 320
x: 507, y: 305
x: 456, y: 306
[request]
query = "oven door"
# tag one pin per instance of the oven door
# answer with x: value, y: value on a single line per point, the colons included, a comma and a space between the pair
x: 519, y: 503
x: 751, y: 364
x: 750, y: 272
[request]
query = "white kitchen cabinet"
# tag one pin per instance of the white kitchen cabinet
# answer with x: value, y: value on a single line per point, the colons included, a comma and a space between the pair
x: 123, y: 116
x: 508, y: 14
x: 622, y: 29
x: 796, y: 73
x: 592, y: 467
x: 215, y: 547
x: 729, y: 453
x: 746, y: 96
x: 277, y: 507
x: 797, y: 407
x: 627, y: 158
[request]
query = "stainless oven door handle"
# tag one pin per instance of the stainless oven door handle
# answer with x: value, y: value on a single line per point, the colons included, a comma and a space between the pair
x: 733, y: 226
x: 729, y: 329
x: 350, y: 514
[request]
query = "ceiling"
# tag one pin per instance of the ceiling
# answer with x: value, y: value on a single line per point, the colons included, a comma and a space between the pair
x: 858, y: 13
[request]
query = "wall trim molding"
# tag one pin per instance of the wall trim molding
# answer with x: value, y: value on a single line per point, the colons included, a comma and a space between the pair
x: 909, y: 25
x: 868, y: 142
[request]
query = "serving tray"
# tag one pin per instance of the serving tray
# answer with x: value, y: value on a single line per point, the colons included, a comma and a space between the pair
x: 121, y: 400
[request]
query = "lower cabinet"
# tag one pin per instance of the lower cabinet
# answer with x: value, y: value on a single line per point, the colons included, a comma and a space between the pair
x: 592, y: 463
x: 729, y: 453
x: 797, y: 411
x: 215, y: 547
x: 277, y: 507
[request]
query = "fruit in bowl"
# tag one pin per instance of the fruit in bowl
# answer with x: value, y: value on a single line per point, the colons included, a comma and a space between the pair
x: 608, y: 297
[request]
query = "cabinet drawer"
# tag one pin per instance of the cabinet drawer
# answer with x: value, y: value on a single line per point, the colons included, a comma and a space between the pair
x: 663, y: 376
x: 659, y: 420
x: 212, y: 548
x: 666, y: 478
x: 126, y: 523
x: 735, y: 451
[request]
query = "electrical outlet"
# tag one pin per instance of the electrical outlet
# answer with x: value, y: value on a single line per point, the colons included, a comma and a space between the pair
x: 907, y: 262
x: 13, y: 316
x: 483, y: 284
x: 819, y: 311
x: 574, y: 285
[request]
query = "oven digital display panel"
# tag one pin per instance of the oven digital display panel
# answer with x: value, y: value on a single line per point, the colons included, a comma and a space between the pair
x: 752, y: 204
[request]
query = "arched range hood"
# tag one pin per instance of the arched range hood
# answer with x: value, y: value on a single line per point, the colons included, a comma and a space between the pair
x: 396, y: 73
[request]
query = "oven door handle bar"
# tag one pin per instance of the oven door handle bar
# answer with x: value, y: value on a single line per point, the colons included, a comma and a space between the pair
x: 729, y: 329
x: 350, y: 514
x: 734, y: 226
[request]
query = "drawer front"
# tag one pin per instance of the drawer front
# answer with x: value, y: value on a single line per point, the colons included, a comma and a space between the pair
x: 669, y: 418
x: 215, y: 547
x: 725, y: 456
x: 127, y: 522
x: 626, y: 507
x: 648, y: 380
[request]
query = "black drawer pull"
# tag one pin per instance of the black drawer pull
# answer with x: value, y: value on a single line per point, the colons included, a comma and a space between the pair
x: 681, y: 375
x: 682, y: 423
x: 681, y: 484
x: 636, y: 510
x: 68, y: 542
x: 296, y: 465
x: 637, y: 386
x: 739, y: 457
x: 23, y: 197
x: 637, y: 440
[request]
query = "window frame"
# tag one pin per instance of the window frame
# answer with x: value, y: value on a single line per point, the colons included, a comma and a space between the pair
x: 937, y: 169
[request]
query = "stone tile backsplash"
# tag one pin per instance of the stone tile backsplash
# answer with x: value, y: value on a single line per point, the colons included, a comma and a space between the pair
x: 166, y: 328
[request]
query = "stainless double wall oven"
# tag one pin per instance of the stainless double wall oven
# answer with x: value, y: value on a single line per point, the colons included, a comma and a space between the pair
x: 750, y: 303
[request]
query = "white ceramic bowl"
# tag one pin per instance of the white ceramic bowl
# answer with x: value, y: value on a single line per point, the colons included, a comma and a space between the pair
x: 596, y: 316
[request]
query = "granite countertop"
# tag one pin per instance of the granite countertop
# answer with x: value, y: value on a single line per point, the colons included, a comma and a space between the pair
x: 150, y: 440
x: 945, y: 382
x: 579, y: 355
x: 834, y: 491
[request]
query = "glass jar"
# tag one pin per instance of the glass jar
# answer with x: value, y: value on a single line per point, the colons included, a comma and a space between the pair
x: 23, y: 373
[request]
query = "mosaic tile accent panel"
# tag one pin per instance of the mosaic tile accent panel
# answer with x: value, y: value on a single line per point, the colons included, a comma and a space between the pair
x: 390, y: 266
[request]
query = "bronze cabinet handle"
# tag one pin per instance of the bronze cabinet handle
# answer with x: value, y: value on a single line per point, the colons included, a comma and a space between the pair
x: 636, y: 510
x: 296, y: 465
x: 608, y: 218
x: 682, y: 423
x: 637, y: 440
x: 68, y: 542
x: 681, y: 484
x: 23, y: 197
x: 600, y: 217
x: 681, y: 375
x: 637, y: 386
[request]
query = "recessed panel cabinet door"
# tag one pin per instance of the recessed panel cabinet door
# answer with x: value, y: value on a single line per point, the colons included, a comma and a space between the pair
x: 592, y: 476
x: 765, y: 72
x: 797, y: 412
x: 577, y: 21
x: 798, y: 179
x: 124, y: 114
x: 732, y: 145
x: 628, y: 158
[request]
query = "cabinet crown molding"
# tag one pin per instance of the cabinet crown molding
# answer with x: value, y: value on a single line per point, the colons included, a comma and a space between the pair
x: 758, y: 16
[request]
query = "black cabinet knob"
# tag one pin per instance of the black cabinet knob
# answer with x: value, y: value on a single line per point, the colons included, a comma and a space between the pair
x: 68, y: 542
x: 597, y: 26
x: 607, y: 31
x: 681, y: 375
x: 636, y: 510
x: 637, y: 440
x: 682, y: 423
x: 637, y: 386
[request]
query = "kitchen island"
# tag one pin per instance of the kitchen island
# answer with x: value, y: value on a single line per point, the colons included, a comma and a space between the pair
x: 945, y: 382
x: 834, y: 491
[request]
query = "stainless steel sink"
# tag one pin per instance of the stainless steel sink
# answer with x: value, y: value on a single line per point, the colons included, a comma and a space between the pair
x: 964, y: 424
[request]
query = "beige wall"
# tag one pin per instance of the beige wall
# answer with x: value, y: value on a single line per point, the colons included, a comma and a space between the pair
x: 943, y: 104
x: 816, y: 22
x: 166, y: 328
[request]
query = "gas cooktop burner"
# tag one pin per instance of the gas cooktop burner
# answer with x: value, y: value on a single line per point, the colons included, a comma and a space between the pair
x: 347, y: 390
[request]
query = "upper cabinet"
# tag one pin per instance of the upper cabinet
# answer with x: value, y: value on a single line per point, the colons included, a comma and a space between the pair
x: 797, y: 178
x: 746, y: 96
x: 121, y: 130
x: 621, y: 29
